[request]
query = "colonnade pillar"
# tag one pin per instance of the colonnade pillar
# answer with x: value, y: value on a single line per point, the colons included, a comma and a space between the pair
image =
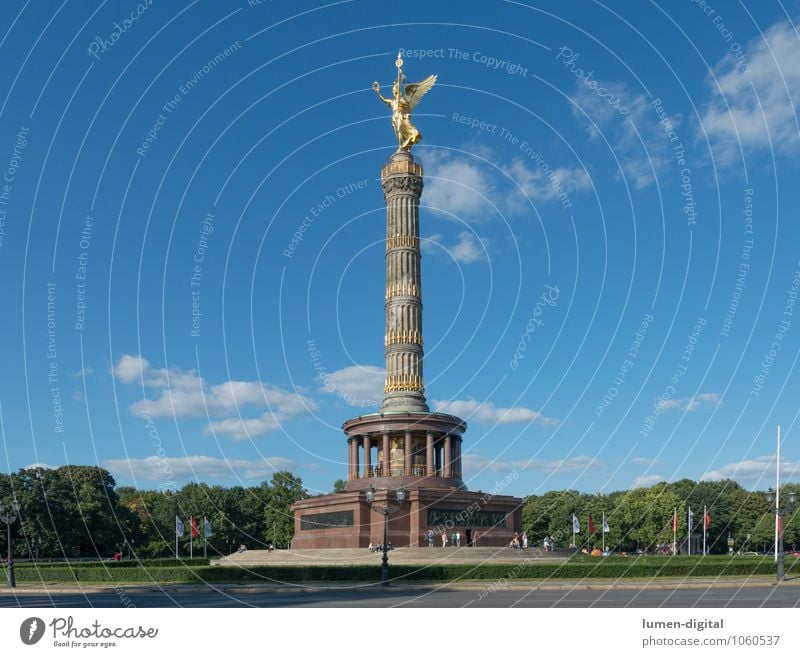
x: 367, y: 456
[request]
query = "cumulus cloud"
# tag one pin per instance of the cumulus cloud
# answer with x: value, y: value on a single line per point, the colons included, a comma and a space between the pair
x: 357, y: 385
x: 645, y: 481
x: 753, y: 470
x: 639, y: 143
x: 456, y: 184
x: 155, y: 468
x: 541, y: 183
x: 468, y: 187
x: 487, y: 412
x: 690, y: 404
x: 466, y: 250
x: 756, y: 109
x: 184, y: 393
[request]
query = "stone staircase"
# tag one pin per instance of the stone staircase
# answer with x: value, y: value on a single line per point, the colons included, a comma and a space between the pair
x: 410, y: 556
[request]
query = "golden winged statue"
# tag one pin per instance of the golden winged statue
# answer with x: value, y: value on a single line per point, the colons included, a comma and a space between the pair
x: 403, y: 104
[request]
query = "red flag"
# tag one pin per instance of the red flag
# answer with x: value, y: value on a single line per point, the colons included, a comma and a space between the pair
x: 707, y: 520
x: 591, y: 524
x: 194, y: 527
x: 675, y: 521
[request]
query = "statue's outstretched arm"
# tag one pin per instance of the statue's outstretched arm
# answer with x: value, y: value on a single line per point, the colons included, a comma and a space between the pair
x: 377, y: 89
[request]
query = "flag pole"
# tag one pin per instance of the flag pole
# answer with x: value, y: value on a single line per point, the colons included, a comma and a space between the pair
x: 705, y: 515
x: 603, y: 532
x: 777, y: 493
x: 177, y: 556
x: 205, y: 538
x: 675, y: 532
x: 191, y: 536
x: 689, y: 530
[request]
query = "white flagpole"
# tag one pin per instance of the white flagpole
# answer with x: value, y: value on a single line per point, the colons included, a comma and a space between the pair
x: 674, y: 532
x: 705, y: 512
x: 177, y: 556
x: 689, y: 530
x: 777, y: 491
x: 603, y: 531
x: 191, y: 538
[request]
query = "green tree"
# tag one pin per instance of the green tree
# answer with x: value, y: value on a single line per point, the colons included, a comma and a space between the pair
x: 644, y: 517
x: 339, y: 485
x: 284, y: 490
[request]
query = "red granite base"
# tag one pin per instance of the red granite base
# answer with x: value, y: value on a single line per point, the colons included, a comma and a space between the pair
x: 488, y: 520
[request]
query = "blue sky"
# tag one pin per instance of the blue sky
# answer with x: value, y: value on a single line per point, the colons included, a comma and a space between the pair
x: 191, y: 230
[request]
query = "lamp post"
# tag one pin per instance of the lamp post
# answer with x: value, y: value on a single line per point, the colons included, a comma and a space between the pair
x: 770, y: 496
x: 400, y: 494
x: 9, y: 517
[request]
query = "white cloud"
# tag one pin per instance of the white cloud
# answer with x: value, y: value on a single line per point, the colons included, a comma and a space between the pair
x: 640, y: 144
x: 645, y: 481
x: 690, y: 404
x: 468, y: 249
x: 184, y: 393
x: 243, y: 428
x: 455, y: 184
x: 541, y: 185
x: 466, y: 187
x: 130, y: 368
x: 357, y: 385
x: 84, y: 372
x: 487, y: 412
x: 155, y: 468
x: 756, y: 109
x: 753, y: 470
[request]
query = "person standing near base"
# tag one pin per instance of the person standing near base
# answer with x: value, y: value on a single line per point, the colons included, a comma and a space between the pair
x: 444, y: 539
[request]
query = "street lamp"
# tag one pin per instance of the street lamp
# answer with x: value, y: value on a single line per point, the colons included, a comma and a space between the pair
x: 8, y: 517
x: 780, y: 511
x: 400, y: 494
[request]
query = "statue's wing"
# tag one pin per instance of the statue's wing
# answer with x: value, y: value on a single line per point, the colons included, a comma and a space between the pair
x: 414, y: 92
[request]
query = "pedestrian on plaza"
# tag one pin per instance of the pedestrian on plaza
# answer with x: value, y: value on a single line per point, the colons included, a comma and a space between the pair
x: 453, y: 539
x: 444, y: 539
x: 524, y: 541
x: 458, y: 539
x: 430, y: 538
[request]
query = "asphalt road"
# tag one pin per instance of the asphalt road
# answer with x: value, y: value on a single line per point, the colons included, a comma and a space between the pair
x: 748, y: 597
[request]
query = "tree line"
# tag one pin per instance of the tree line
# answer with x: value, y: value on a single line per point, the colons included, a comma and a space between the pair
x: 642, y: 518
x: 79, y: 511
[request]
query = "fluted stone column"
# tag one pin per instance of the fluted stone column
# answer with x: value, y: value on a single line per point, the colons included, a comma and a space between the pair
x: 448, y: 453
x: 386, y: 464
x: 429, y: 463
x: 409, y: 461
x: 367, y: 456
x: 402, y: 186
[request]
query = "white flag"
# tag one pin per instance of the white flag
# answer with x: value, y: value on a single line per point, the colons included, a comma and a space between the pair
x: 691, y: 520
x: 178, y: 526
x: 605, y: 526
x: 207, y: 528
x: 576, y: 525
